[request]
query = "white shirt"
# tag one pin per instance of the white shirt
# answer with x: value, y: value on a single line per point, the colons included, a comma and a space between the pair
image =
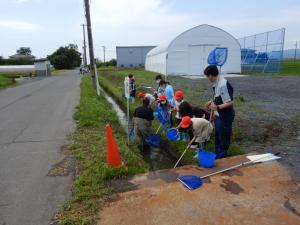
x: 221, y: 89
x: 177, y: 104
x: 150, y: 97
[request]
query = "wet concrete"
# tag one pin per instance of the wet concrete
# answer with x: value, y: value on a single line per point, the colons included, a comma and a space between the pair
x: 157, y: 158
x: 259, y: 194
x: 231, y: 186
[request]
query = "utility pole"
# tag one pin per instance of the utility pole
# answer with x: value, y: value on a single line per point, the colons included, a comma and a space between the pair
x: 91, y: 47
x: 103, y: 47
x: 295, y: 54
x: 84, y: 46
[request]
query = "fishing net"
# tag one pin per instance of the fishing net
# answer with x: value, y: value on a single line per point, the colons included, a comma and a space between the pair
x: 217, y: 57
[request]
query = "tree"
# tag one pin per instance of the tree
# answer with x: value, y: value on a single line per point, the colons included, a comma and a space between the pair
x: 24, y: 51
x: 112, y: 62
x: 66, y: 57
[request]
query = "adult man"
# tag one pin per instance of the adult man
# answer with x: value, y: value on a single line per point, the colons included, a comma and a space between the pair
x: 222, y: 105
x: 200, y: 128
x: 142, y: 118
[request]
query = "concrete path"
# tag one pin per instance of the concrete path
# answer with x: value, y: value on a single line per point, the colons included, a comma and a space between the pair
x: 34, y: 120
x: 259, y: 194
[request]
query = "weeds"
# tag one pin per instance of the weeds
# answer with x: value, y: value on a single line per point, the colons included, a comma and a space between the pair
x: 89, y: 190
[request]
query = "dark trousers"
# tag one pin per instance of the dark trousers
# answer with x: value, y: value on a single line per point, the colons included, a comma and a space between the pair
x: 223, y: 131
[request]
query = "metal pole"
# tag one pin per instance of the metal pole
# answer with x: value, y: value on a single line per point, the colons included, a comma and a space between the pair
x: 281, y: 49
x: 295, y: 55
x: 90, y: 40
x: 128, y: 129
x: 103, y: 47
x: 84, y: 46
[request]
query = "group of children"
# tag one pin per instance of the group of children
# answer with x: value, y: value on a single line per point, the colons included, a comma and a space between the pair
x: 193, y: 123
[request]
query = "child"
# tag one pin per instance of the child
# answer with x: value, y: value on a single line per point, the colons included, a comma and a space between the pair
x: 201, y: 129
x: 144, y: 95
x: 163, y: 108
x: 179, y: 98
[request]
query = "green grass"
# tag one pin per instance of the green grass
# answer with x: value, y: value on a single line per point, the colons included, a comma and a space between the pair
x: 89, y: 148
x: 6, y: 81
x: 57, y: 72
x: 289, y: 67
x: 16, y: 74
x: 111, y: 79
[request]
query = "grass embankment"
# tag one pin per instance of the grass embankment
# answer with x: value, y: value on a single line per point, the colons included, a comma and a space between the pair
x: 6, y: 81
x: 89, y: 148
x: 112, y: 79
x: 57, y: 72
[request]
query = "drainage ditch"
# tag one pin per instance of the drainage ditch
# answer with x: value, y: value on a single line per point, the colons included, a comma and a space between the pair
x: 158, y: 158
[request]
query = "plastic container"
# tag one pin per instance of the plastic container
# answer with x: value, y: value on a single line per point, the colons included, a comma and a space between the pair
x: 153, y: 140
x: 172, y: 134
x: 206, y: 159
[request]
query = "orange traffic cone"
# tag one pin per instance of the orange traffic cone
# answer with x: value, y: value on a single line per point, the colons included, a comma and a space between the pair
x: 113, y: 156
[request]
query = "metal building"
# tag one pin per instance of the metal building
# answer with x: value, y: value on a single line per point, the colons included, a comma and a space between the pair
x: 187, y: 53
x: 42, y: 67
x: 132, y: 56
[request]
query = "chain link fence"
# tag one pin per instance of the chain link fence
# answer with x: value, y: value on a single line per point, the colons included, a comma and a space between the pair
x: 263, y: 52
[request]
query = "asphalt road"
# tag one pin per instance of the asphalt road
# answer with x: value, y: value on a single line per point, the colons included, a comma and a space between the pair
x: 35, y: 119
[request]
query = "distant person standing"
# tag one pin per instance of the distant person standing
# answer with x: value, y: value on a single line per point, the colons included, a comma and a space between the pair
x: 222, y: 105
x: 161, y: 88
x: 132, y: 86
x: 169, y: 92
x: 158, y: 78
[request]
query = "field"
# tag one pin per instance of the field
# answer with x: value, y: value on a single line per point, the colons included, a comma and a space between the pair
x: 90, y: 189
x: 290, y: 67
x: 6, y: 81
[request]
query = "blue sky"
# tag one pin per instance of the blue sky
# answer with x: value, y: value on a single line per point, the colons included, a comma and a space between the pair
x: 44, y: 25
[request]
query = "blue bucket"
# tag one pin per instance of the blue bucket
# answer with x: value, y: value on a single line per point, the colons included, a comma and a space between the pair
x: 172, y: 134
x: 153, y: 140
x: 206, y: 159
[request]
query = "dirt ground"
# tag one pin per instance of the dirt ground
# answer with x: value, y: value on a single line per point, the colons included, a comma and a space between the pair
x: 267, y: 113
x: 265, y: 193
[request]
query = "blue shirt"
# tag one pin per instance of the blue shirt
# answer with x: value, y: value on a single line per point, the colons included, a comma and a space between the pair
x: 169, y: 92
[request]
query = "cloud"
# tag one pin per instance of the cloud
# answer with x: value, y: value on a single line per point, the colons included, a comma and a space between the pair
x: 17, y: 25
x: 135, y: 13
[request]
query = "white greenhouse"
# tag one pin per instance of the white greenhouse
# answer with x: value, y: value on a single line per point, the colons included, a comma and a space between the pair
x: 187, y: 53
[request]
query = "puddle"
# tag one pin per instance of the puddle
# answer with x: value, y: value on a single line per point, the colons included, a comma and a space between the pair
x: 157, y: 158
x: 231, y: 186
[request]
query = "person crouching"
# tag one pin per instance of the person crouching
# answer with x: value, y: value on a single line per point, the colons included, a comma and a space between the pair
x: 200, y: 127
x: 142, y: 120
